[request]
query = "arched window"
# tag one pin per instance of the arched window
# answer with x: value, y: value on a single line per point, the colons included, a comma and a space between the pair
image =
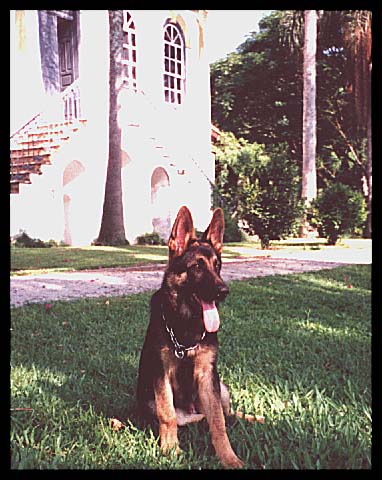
x: 174, y: 67
x: 129, y: 52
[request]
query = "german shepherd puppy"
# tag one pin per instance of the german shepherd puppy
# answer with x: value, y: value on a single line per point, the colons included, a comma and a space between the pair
x: 178, y: 381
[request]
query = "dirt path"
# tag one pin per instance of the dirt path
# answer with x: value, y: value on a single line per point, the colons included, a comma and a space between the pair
x: 124, y: 281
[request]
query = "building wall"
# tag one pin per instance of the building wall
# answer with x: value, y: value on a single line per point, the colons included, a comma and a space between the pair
x: 166, y: 150
x: 183, y: 131
x: 48, y: 43
x: 25, y: 68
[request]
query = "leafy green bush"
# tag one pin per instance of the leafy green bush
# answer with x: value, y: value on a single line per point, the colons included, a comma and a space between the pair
x: 340, y: 211
x: 232, y: 232
x: 150, y: 239
x: 262, y: 186
x: 274, y: 206
x: 23, y: 240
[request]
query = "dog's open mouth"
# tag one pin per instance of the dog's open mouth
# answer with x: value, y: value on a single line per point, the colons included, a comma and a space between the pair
x: 211, y: 317
x: 210, y: 314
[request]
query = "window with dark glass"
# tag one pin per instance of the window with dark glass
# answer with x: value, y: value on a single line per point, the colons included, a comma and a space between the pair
x: 129, y: 52
x: 174, y: 68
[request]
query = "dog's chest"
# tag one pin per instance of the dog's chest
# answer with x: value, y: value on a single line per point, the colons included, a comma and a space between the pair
x: 181, y: 375
x: 185, y: 374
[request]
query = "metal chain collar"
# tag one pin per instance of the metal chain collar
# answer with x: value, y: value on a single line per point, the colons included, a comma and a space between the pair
x: 180, y: 349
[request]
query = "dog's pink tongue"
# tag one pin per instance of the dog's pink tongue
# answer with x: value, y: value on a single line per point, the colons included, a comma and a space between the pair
x: 210, y: 317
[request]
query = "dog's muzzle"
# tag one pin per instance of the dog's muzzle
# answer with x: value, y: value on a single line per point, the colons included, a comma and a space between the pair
x: 222, y: 292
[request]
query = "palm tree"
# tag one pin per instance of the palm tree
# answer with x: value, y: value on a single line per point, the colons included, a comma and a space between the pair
x: 309, y: 123
x: 112, y: 231
x: 355, y: 29
x: 298, y: 30
x: 358, y: 39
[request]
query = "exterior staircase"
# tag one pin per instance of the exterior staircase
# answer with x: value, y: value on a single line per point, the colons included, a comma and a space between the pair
x: 32, y: 145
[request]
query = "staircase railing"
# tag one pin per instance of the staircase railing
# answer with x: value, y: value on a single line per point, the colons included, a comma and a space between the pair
x: 30, y: 122
x: 69, y: 110
x: 71, y: 100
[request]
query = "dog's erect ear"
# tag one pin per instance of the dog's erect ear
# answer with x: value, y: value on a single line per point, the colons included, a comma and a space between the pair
x: 215, y: 230
x: 181, y: 233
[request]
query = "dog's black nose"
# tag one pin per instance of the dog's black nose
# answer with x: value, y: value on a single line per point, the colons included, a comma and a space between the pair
x: 222, y: 291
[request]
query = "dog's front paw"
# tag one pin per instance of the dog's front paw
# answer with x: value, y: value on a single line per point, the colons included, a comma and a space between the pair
x: 169, y: 437
x: 232, y: 461
x: 170, y: 448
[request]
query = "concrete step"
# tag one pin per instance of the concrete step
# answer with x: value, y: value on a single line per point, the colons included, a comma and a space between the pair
x: 26, y: 168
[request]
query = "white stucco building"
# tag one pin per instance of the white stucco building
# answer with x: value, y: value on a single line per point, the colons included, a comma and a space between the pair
x: 60, y: 85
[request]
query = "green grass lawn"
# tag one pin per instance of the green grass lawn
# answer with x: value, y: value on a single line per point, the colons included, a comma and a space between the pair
x: 294, y: 348
x: 26, y: 261
x: 32, y: 260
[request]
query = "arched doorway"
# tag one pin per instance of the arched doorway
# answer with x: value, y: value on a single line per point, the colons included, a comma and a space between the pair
x: 67, y: 233
x: 74, y: 219
x: 160, y: 202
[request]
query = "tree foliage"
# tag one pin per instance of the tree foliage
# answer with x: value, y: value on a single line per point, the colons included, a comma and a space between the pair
x: 257, y: 93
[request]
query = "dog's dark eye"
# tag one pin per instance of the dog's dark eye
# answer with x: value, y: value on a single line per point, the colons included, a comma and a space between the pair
x: 200, y: 263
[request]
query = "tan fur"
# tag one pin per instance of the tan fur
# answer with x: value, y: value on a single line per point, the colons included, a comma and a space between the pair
x: 183, y: 417
x: 166, y: 415
x: 165, y: 404
x: 211, y: 406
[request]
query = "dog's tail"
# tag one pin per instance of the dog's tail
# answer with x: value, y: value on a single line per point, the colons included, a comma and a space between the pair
x: 229, y: 412
x: 183, y: 417
x: 247, y: 416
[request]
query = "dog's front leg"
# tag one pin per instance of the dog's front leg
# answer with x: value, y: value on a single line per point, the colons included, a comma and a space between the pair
x: 208, y: 383
x: 166, y: 415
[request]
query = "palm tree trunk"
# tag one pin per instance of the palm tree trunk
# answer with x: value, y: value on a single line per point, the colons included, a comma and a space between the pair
x: 359, y: 43
x: 309, y: 134
x: 369, y: 172
x: 369, y: 176
x: 112, y: 230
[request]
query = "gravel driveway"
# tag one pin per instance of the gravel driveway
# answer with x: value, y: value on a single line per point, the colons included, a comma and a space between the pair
x: 123, y: 281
